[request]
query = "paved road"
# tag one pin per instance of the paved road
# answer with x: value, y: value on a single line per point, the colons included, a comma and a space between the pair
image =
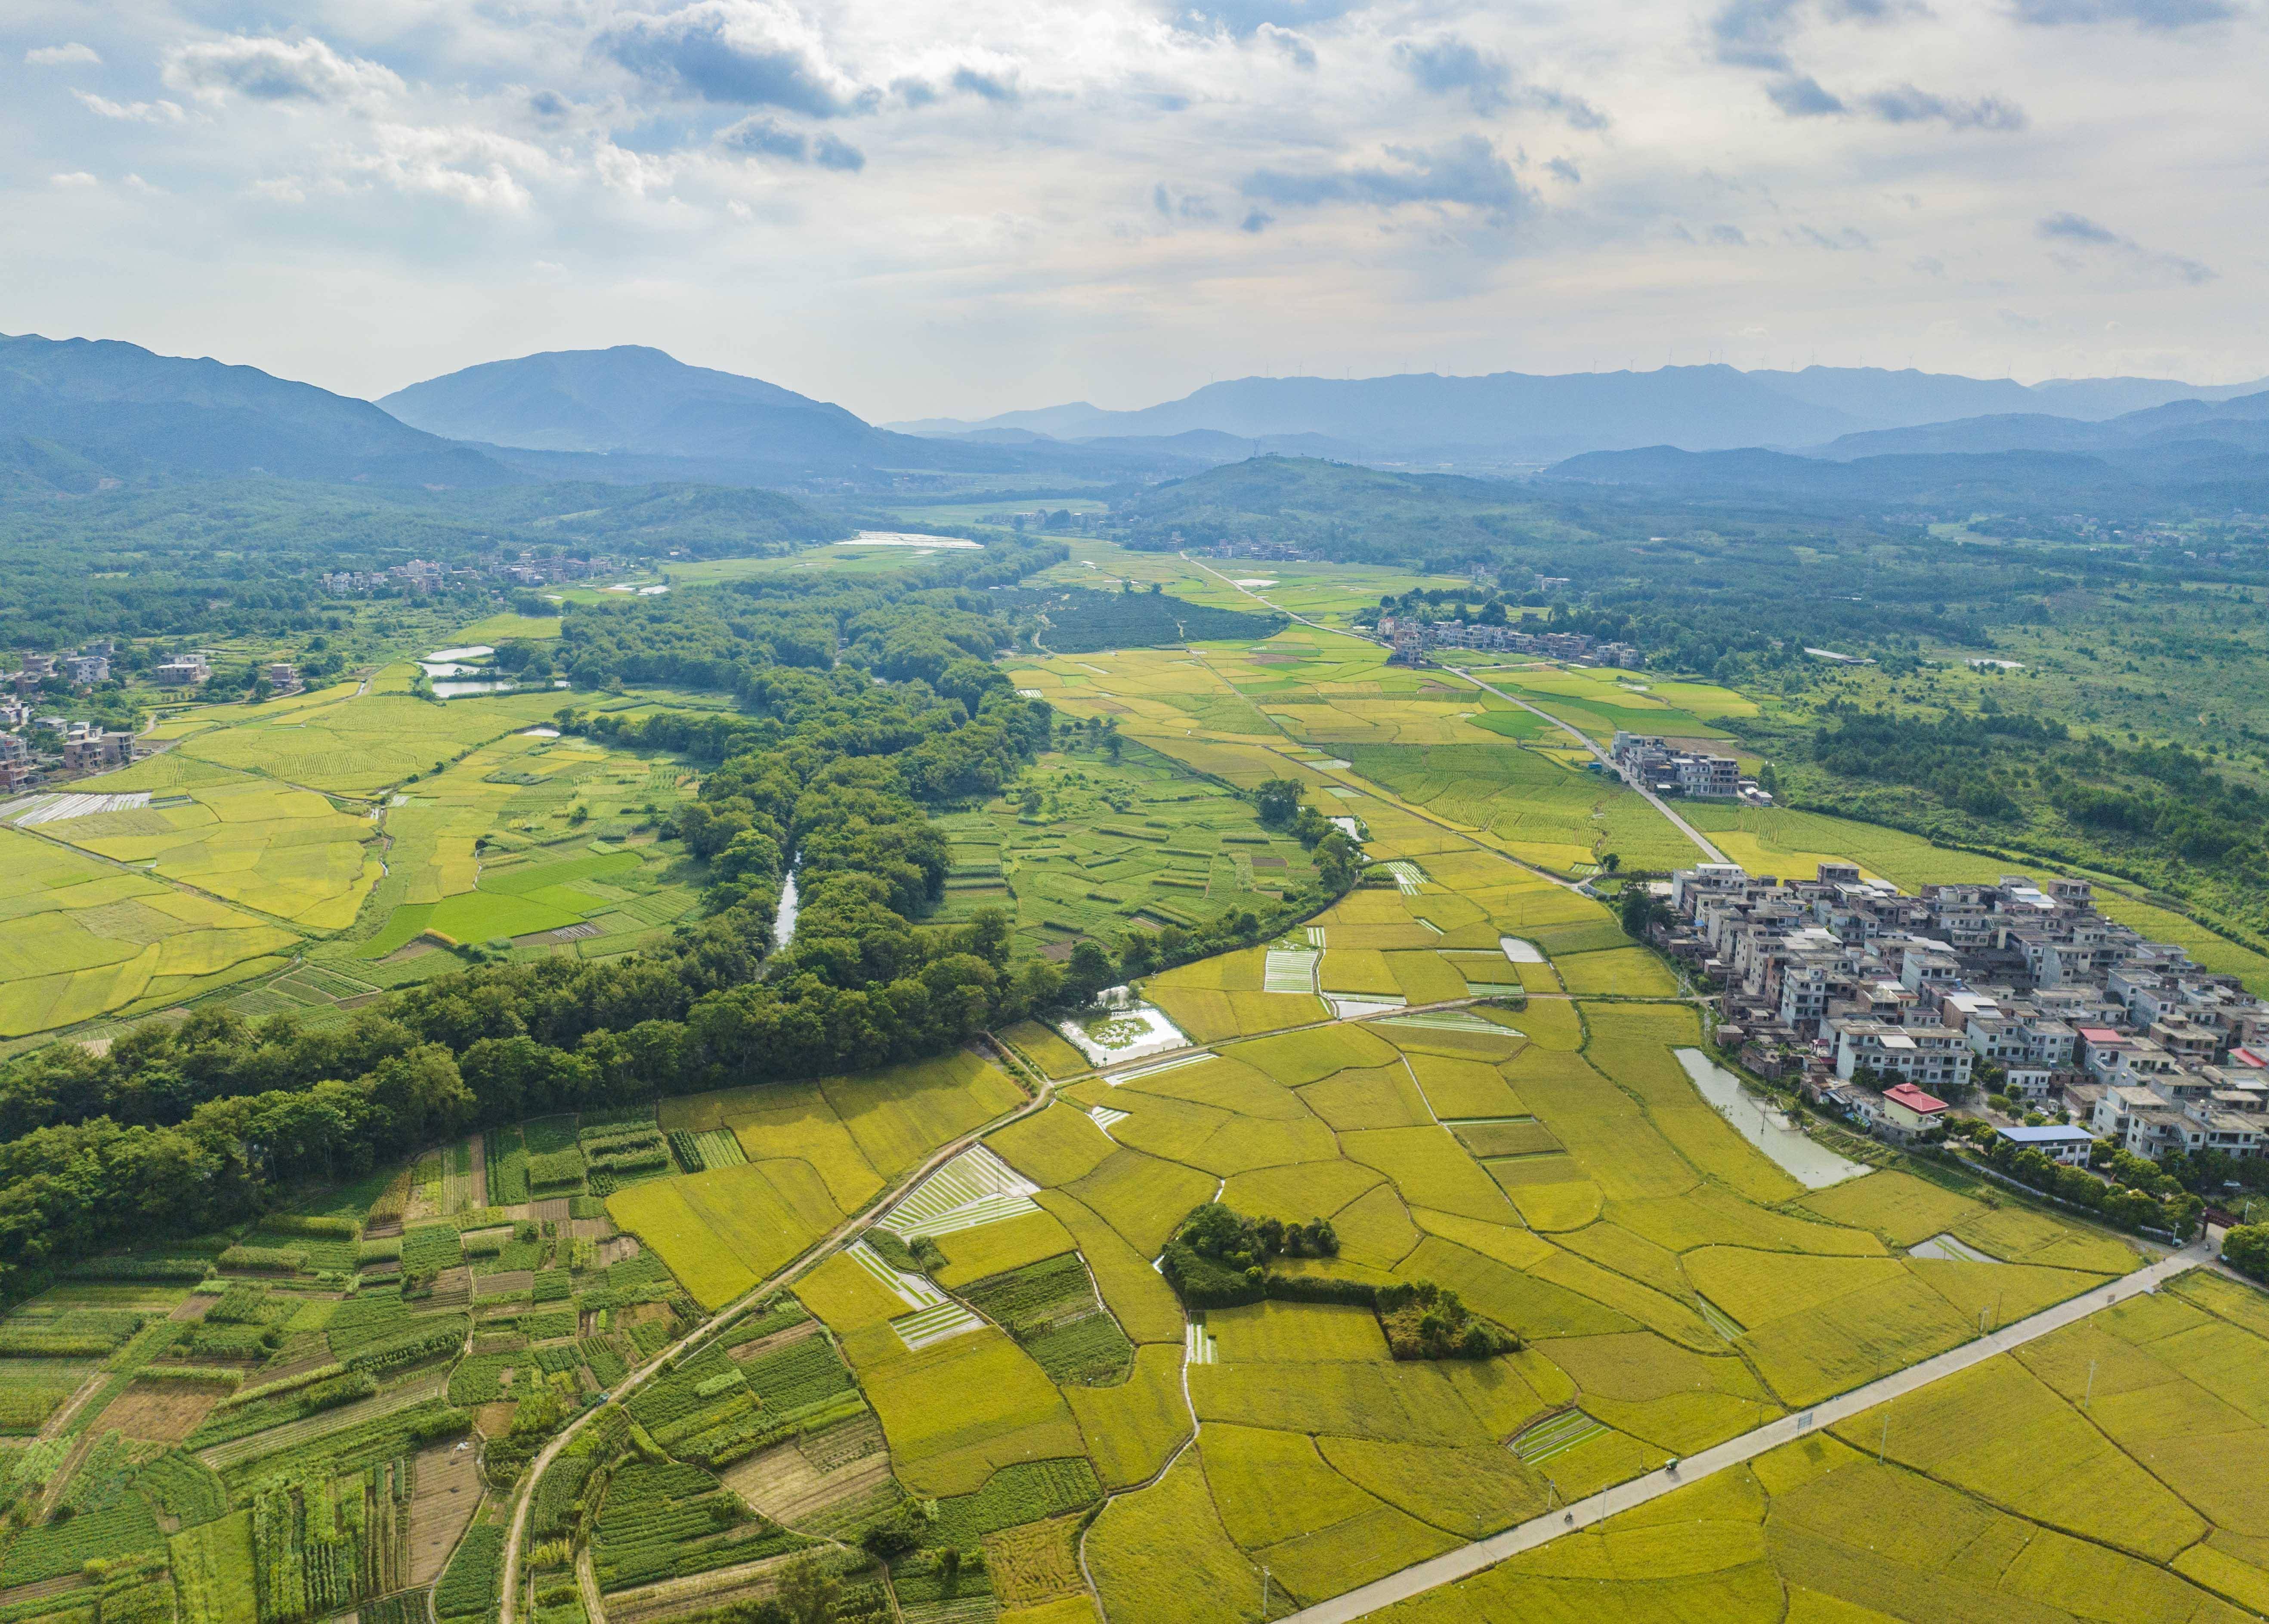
x: 1589, y: 743
x: 1471, y: 1559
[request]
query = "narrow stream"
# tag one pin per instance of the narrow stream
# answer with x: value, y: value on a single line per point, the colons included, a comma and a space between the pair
x: 784, y: 920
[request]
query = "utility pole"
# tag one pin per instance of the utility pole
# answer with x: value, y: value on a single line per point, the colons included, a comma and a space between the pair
x: 1264, y: 1595
x: 2087, y: 1397
x: 1883, y: 1447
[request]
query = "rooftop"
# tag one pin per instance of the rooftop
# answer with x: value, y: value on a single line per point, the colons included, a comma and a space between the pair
x: 1914, y: 1099
x: 2057, y: 1136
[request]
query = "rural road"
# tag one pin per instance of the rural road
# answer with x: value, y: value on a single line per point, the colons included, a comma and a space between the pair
x: 1469, y: 1560
x: 1586, y: 740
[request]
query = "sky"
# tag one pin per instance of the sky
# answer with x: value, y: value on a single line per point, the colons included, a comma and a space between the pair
x: 960, y: 209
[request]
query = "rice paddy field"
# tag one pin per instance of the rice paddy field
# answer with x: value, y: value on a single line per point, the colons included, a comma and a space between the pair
x: 1327, y: 593
x: 2013, y: 1490
x: 1463, y: 1065
x: 1543, y: 1154
x: 1113, y: 845
x: 317, y: 848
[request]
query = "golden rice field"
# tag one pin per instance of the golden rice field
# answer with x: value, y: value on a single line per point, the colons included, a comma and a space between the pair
x: 1551, y: 1162
x: 2013, y: 1490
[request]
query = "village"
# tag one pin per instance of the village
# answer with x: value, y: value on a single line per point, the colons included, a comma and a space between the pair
x: 2081, y: 1034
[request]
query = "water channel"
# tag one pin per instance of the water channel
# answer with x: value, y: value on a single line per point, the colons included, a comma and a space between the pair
x: 1813, y: 1165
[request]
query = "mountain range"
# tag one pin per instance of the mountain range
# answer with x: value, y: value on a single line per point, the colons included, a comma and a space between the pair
x: 77, y: 415
x: 1509, y: 417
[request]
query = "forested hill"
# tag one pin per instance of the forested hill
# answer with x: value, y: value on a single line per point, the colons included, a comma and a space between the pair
x: 1339, y: 510
x: 78, y: 413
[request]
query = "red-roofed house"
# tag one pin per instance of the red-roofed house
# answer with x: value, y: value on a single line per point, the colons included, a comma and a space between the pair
x: 1909, y: 1110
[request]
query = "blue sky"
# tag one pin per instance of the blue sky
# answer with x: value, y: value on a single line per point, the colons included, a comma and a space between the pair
x: 966, y: 208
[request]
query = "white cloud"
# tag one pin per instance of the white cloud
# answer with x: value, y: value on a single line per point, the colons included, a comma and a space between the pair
x: 75, y: 180
x: 133, y: 112
x: 996, y: 203
x: 278, y: 71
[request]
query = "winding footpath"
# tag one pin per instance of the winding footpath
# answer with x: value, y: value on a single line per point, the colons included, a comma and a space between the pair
x: 1469, y: 1560
x: 524, y: 1500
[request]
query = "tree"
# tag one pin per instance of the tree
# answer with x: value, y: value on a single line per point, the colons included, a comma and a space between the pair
x: 1641, y: 908
x: 807, y: 1592
x: 1611, y: 861
x: 2246, y: 1249
x: 1279, y: 801
x: 1089, y: 973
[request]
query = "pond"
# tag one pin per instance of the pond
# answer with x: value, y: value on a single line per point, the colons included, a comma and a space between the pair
x: 1813, y: 1165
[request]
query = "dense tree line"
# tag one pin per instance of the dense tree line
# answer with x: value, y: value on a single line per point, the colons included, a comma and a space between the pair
x: 901, y: 627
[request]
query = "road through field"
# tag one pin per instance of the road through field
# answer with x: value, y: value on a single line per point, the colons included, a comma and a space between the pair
x: 1589, y: 743
x: 820, y: 1249
x: 1471, y: 1559
x: 1572, y: 731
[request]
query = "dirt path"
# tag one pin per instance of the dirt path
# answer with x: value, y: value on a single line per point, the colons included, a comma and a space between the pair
x: 1469, y: 1560
x: 524, y: 1501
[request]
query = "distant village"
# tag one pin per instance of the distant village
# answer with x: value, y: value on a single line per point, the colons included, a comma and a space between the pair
x: 1414, y: 639
x: 421, y: 576
x: 37, y: 748
x: 1887, y: 1008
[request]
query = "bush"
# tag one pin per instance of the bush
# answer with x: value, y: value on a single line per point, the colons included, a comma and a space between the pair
x: 282, y: 1259
x: 1207, y: 1283
x: 2246, y: 1249
x: 297, y: 1223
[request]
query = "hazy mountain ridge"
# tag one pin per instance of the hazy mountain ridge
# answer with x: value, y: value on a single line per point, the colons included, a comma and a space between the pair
x: 1547, y: 417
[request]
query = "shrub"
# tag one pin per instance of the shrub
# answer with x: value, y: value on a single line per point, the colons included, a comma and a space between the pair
x: 280, y: 1260
x: 2245, y: 1248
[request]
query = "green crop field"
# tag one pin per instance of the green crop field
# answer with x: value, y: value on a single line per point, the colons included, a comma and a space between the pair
x: 344, y: 827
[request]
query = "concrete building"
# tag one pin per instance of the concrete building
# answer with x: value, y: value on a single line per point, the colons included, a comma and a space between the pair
x: 2069, y: 1146
x: 1649, y: 763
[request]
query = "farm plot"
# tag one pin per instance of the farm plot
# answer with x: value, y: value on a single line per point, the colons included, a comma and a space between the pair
x: 287, y: 853
x: 84, y: 938
x: 1106, y: 845
x: 816, y: 1151
x: 1996, y: 1497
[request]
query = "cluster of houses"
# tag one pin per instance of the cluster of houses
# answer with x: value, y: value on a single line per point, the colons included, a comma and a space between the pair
x: 81, y: 668
x: 1661, y: 768
x: 34, y: 748
x: 1413, y: 637
x: 1887, y: 1007
x: 420, y: 576
x: 28, y: 749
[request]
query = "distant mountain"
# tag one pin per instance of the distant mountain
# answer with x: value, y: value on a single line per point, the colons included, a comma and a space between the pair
x: 2242, y: 422
x: 1513, y: 417
x: 654, y: 417
x: 1508, y: 415
x: 2205, y: 474
x: 76, y: 413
